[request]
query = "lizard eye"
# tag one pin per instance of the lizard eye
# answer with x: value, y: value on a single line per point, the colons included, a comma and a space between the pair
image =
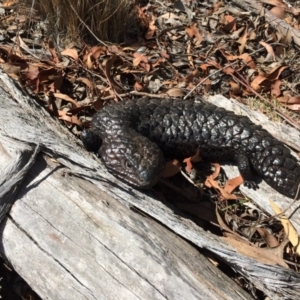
x: 128, y: 164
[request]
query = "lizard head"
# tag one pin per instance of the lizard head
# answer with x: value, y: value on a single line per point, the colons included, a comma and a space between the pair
x: 133, y: 158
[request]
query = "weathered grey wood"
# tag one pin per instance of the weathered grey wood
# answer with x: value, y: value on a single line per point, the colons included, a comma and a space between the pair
x: 82, y: 244
x: 13, y: 173
x: 52, y: 225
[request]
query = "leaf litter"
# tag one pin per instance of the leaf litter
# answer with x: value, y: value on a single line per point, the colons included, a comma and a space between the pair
x: 188, y: 47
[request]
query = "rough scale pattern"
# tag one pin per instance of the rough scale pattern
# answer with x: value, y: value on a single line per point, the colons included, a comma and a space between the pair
x: 137, y: 134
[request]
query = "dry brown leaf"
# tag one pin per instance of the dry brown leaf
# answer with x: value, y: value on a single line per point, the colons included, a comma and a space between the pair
x: 258, y: 254
x: 248, y: 60
x: 189, y: 165
x: 275, y: 72
x: 69, y: 119
x: 71, y: 53
x: 169, y: 15
x: 89, y: 61
x: 217, y: 170
x: 53, y: 51
x: 294, y: 10
x: 243, y: 40
x: 165, y: 54
x: 193, y: 31
x: 216, y: 6
x: 205, y: 67
x: 110, y: 63
x: 6, y: 48
x: 172, y: 168
x: 213, y: 63
x: 31, y: 77
x: 31, y: 72
x: 12, y: 50
x: 278, y: 12
x: 22, y: 18
x: 230, y: 23
x: 66, y: 98
x: 294, y: 100
x: 284, y: 99
x: 257, y: 82
x: 151, y: 29
x: 51, y: 79
x: 158, y: 62
x: 143, y: 18
x: 142, y: 60
x: 175, y: 92
x: 233, y: 183
x: 87, y: 82
x: 89, y: 56
x: 7, y: 4
x: 289, y: 99
x: 295, y: 107
x: 98, y: 51
x: 235, y: 88
x: 224, y: 227
x: 275, y: 88
x: 229, y: 70
x: 98, y: 104
x: 139, y: 87
x: 245, y: 57
x: 191, y: 76
x: 269, y: 238
x: 288, y: 227
x: 211, y: 182
x: 244, y: 247
x: 138, y: 57
x: 277, y: 3
x: 22, y: 44
x: 189, y: 161
x: 269, y: 49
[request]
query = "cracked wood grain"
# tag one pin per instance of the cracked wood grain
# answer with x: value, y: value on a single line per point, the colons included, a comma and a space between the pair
x: 105, y: 250
x: 12, y: 175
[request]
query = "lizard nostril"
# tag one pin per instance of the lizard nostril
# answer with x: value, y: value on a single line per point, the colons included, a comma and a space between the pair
x: 146, y: 176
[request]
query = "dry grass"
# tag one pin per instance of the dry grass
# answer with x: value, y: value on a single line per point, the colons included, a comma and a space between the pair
x: 109, y: 20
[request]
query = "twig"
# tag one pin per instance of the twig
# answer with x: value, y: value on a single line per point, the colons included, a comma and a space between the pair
x: 137, y: 94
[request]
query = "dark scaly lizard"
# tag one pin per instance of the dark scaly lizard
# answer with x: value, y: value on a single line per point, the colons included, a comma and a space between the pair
x: 135, y: 136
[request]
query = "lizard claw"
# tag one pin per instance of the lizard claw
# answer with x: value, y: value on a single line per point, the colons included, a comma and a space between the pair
x: 251, y: 184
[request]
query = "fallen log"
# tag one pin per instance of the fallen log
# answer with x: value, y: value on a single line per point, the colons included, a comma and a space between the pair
x: 76, y: 232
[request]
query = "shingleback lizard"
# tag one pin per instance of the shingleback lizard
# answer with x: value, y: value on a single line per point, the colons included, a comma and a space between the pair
x: 135, y: 135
